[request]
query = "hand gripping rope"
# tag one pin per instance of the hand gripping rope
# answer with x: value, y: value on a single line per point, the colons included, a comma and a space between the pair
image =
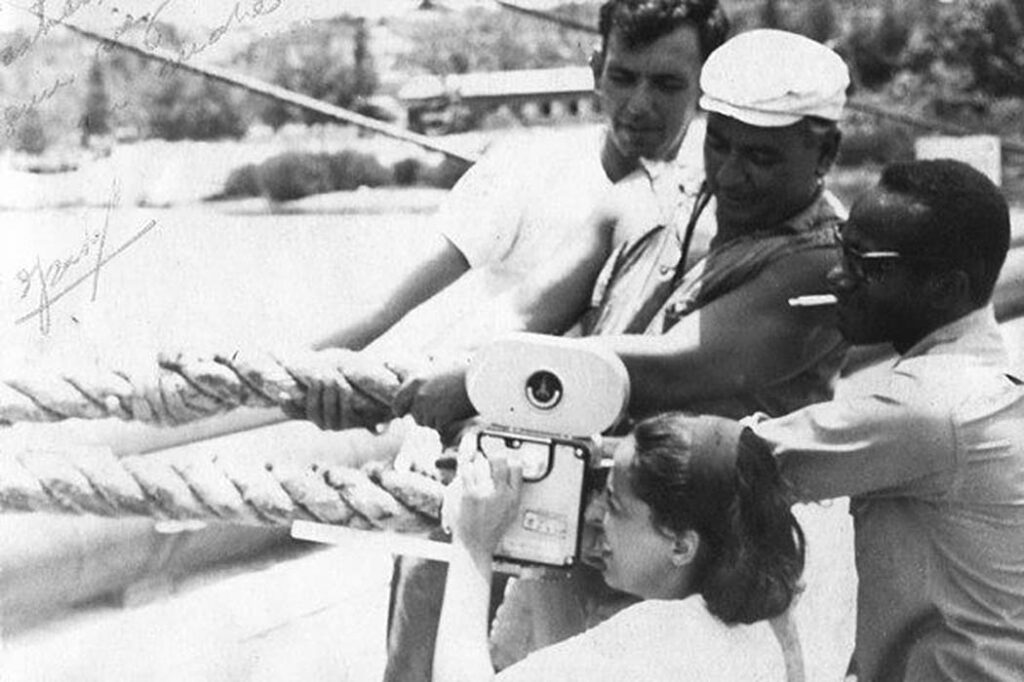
x: 92, y: 480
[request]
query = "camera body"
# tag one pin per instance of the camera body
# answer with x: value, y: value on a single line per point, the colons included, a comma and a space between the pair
x: 543, y: 400
x: 549, y: 522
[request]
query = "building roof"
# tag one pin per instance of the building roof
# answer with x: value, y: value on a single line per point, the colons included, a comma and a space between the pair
x: 538, y: 82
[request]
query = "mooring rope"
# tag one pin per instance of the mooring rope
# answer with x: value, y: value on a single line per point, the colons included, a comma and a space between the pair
x: 180, y: 390
x: 91, y: 480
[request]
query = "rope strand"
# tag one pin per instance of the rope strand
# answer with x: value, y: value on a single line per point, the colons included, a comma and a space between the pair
x: 182, y: 390
x: 91, y: 480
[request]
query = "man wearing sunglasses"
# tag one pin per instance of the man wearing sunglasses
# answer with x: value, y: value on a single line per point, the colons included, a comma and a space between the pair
x: 932, y: 455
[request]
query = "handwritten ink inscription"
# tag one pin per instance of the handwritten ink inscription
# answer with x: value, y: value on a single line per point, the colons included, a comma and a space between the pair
x: 12, y: 53
x: 44, y: 283
x: 240, y: 13
x: 152, y: 39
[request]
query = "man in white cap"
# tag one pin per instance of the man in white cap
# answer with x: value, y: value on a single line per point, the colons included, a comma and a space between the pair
x: 513, y: 207
x: 717, y: 331
x: 718, y: 335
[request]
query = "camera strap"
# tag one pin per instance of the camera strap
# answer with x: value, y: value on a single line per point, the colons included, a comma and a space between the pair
x: 699, y: 204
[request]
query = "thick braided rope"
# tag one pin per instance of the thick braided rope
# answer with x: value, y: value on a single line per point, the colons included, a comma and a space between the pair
x: 91, y: 480
x: 180, y: 390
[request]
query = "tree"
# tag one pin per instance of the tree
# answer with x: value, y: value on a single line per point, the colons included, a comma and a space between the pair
x: 818, y: 21
x: 329, y: 61
x: 876, y: 48
x: 988, y: 40
x: 365, y: 76
x: 184, y: 106
x: 480, y: 39
x: 96, y: 119
x: 30, y: 136
x: 771, y: 16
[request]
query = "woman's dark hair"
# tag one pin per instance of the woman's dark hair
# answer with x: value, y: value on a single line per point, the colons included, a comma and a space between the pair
x: 641, y: 22
x: 712, y: 476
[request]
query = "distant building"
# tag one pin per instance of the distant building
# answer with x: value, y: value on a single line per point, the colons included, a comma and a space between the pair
x: 437, y: 104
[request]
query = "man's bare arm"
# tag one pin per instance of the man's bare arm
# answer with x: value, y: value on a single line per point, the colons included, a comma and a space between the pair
x: 746, y: 339
x: 553, y: 297
x: 442, y: 263
x: 550, y: 301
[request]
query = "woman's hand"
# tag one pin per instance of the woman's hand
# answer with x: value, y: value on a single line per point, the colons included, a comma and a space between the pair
x: 479, y: 505
x: 483, y: 501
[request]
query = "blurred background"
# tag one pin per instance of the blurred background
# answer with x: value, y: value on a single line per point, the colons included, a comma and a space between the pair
x: 251, y: 222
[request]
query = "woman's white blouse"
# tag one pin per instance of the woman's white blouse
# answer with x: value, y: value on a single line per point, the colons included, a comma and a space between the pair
x: 670, y: 640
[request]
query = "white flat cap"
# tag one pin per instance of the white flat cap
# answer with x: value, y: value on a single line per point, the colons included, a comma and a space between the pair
x: 771, y: 78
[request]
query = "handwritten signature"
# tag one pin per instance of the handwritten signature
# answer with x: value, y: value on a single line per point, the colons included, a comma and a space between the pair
x: 13, y: 53
x: 238, y: 15
x: 153, y: 37
x: 44, y: 279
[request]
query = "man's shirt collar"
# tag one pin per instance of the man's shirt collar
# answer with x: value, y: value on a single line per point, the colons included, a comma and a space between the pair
x: 976, y: 333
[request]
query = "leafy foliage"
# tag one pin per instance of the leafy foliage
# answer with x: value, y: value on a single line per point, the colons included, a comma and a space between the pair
x: 348, y: 170
x: 242, y: 182
x: 874, y: 45
x: 819, y: 21
x: 979, y: 42
x: 31, y: 136
x: 184, y: 106
x: 482, y: 39
x: 96, y: 118
x: 329, y: 61
x: 961, y: 61
x: 771, y: 15
x: 294, y: 175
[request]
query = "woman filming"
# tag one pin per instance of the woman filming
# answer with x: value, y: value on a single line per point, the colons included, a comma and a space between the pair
x: 698, y: 525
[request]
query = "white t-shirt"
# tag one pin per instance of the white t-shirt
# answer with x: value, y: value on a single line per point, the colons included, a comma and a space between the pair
x: 513, y: 209
x: 654, y: 640
x: 507, y: 214
x: 520, y: 201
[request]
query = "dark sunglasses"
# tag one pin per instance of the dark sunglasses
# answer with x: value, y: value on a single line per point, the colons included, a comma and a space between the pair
x: 865, y: 264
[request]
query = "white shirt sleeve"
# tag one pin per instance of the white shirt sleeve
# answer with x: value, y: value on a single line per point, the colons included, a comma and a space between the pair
x: 867, y: 443
x: 482, y: 213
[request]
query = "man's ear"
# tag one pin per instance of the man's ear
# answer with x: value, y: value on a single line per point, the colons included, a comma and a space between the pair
x: 685, y: 547
x: 829, y: 152
x: 597, y: 66
x: 949, y: 290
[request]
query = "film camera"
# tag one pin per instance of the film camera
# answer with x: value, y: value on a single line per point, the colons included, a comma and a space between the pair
x: 543, y: 399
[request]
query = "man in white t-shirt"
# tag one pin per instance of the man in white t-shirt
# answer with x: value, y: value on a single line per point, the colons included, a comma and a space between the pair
x: 512, y: 209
